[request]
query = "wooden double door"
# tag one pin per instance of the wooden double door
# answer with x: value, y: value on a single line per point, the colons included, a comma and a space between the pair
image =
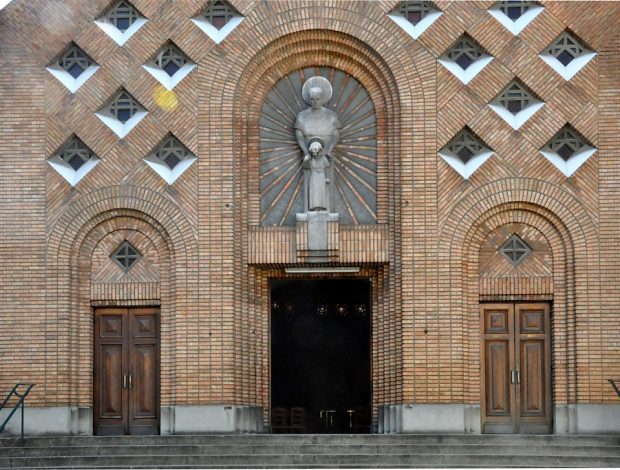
x: 516, y: 368
x: 126, y: 371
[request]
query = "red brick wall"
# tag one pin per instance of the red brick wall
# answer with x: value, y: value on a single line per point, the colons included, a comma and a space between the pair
x: 215, y: 305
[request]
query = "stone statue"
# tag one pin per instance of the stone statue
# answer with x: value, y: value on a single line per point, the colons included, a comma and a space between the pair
x: 318, y: 164
x: 318, y: 125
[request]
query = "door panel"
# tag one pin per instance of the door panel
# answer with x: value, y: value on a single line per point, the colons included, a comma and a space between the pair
x: 126, y: 385
x: 516, y: 375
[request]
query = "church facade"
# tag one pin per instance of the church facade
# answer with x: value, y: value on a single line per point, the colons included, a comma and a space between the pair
x: 311, y: 216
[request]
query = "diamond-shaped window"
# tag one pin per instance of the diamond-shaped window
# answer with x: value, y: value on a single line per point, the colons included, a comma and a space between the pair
x: 122, y: 113
x: 515, y: 15
x: 516, y: 104
x: 218, y: 20
x: 515, y: 249
x: 465, y: 153
x: 567, y: 55
x: 121, y: 21
x: 465, y: 59
x: 169, y: 66
x: 73, y: 67
x: 568, y: 150
x: 126, y: 255
x: 415, y: 17
x: 170, y: 159
x: 73, y: 160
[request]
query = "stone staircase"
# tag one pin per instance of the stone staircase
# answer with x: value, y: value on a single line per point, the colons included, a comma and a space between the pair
x: 312, y: 451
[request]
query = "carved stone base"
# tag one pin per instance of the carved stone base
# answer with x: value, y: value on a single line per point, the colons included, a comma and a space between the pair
x: 317, y: 236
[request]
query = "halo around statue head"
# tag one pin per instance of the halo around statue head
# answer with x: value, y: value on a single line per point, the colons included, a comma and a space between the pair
x: 317, y: 82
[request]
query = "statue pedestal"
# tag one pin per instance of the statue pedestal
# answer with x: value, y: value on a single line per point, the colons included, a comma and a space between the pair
x: 317, y: 236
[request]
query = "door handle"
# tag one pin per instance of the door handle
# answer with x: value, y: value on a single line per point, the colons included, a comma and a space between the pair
x: 515, y: 376
x: 130, y: 380
x: 124, y: 380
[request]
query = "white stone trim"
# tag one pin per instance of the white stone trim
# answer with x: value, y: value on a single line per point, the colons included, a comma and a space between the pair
x: 65, y: 170
x: 567, y: 72
x: 465, y: 169
x: 50, y: 421
x: 415, y: 31
x: 217, y: 35
x: 570, y: 166
x: 169, y: 82
x: 516, y: 120
x: 468, y: 74
x: 64, y: 77
x: 170, y: 176
x: 515, y: 27
x: 118, y: 36
x: 120, y: 129
x: 429, y: 418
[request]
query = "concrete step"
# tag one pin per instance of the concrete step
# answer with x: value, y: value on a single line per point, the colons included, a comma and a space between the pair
x: 370, y: 460
x: 310, y: 449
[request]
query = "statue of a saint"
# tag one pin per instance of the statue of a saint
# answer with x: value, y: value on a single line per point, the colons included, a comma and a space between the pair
x: 320, y: 125
x: 318, y: 164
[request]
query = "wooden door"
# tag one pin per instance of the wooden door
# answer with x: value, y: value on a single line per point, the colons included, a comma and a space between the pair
x: 516, y: 368
x: 126, y: 371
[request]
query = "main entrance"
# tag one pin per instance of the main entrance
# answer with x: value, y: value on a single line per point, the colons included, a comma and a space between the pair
x: 126, y: 388
x: 516, y: 372
x: 320, y: 356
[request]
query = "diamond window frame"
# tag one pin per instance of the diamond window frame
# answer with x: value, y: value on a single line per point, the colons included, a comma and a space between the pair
x: 429, y: 12
x: 570, y: 137
x: 469, y: 47
x: 515, y: 244
x: 60, y: 71
x: 109, y: 113
x: 122, y: 252
x: 107, y: 22
x: 516, y: 26
x: 217, y: 34
x: 467, y: 139
x: 569, y: 43
x: 530, y: 104
x: 170, y: 52
x: 60, y: 160
x: 156, y: 159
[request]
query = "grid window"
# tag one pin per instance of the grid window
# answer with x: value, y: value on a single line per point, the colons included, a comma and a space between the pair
x: 567, y: 142
x: 516, y: 98
x: 515, y: 249
x: 465, y: 145
x: 122, y: 16
x: 465, y: 52
x: 124, y: 107
x: 219, y: 13
x: 75, y: 61
x: 515, y: 9
x: 76, y: 153
x: 172, y: 152
x: 170, y: 59
x: 414, y: 12
x: 566, y: 48
x: 126, y: 255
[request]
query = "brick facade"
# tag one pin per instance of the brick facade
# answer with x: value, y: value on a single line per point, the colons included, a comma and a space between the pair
x: 432, y: 256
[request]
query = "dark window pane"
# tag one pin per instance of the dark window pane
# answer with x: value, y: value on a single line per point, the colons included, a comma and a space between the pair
x: 76, y: 163
x: 414, y: 17
x: 171, y: 68
x: 565, y: 58
x: 514, y: 106
x: 465, y: 154
x: 464, y: 61
x: 172, y: 160
x: 122, y: 24
x: 565, y: 152
x: 75, y: 71
x: 218, y: 21
x: 514, y: 13
x: 123, y: 115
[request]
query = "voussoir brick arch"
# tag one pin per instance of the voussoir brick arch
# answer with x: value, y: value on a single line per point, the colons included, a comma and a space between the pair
x: 70, y: 245
x: 572, y: 236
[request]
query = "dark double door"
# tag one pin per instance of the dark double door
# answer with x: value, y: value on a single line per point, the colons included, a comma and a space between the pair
x: 516, y: 368
x: 126, y: 382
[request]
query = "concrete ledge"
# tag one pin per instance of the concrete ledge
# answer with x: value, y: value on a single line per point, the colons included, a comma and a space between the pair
x: 587, y: 419
x: 50, y: 421
x: 429, y: 418
x: 211, y: 419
